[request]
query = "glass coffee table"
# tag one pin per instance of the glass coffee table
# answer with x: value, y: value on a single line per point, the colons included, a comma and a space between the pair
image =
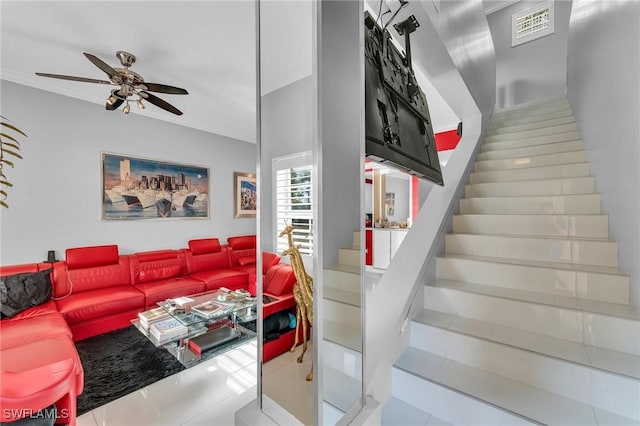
x: 200, y: 326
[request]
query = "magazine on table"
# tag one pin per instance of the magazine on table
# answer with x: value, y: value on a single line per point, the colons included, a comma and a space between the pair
x: 151, y: 316
x: 167, y: 329
x: 208, y: 309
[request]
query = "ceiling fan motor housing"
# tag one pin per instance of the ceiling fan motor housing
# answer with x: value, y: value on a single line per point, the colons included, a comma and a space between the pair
x: 126, y: 59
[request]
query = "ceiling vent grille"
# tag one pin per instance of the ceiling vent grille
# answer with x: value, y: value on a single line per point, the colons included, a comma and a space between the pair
x: 532, y: 24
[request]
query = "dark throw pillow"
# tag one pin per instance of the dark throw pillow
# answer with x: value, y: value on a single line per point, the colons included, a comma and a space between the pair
x: 22, y: 291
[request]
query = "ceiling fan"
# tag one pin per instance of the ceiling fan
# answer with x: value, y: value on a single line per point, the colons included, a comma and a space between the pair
x: 131, y: 84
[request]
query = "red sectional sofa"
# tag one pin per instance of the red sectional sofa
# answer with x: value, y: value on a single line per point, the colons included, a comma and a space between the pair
x: 96, y: 290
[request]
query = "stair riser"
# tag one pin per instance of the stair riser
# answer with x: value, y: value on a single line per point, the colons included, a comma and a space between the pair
x: 573, y: 381
x: 596, y: 253
x: 561, y: 282
x: 532, y: 161
x: 514, y: 121
x: 534, y: 104
x: 342, y: 313
x: 349, y: 257
x: 553, y: 148
x: 356, y: 239
x: 614, y: 333
x: 582, y: 226
x: 344, y: 360
x: 564, y: 204
x: 531, y: 126
x: 531, y: 112
x: 533, y: 173
x: 540, y: 140
x: 542, y: 131
x: 342, y: 280
x: 568, y: 186
x: 448, y: 405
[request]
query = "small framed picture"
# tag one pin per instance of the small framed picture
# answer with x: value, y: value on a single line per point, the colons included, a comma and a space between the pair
x: 245, y: 195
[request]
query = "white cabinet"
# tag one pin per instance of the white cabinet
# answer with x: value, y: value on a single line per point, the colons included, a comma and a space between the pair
x: 385, y: 245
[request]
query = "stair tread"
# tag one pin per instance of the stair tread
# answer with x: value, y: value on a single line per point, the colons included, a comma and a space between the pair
x: 527, y: 181
x: 344, y: 268
x: 509, y: 395
x: 538, y: 237
x: 340, y: 390
x: 511, y: 197
x: 615, y: 362
x: 342, y: 334
x: 397, y: 412
x: 342, y: 296
x: 355, y: 248
x: 628, y: 312
x: 534, y: 156
x: 531, y: 168
x: 541, y: 264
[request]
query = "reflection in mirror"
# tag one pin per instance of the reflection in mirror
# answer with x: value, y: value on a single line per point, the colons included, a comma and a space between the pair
x: 285, y: 181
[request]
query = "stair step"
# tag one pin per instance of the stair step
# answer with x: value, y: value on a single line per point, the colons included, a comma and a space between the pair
x: 469, y: 396
x: 531, y: 126
x: 532, y: 161
x: 533, y: 104
x: 356, y: 239
x: 342, y: 334
x: 341, y: 296
x: 560, y: 186
x: 563, y: 250
x: 558, y: 147
x: 349, y: 256
x: 339, y: 389
x: 570, y: 375
x: 537, y: 225
x: 532, y: 173
x: 552, y: 279
x: 605, y: 325
x: 533, y: 111
x: 515, y: 121
x: 542, y: 205
x: 541, y: 131
x: 343, y: 277
x: 526, y: 142
x: 342, y: 359
x: 343, y: 313
x: 397, y: 412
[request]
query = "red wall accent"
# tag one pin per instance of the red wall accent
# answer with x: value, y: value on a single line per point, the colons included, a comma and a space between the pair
x: 414, y: 197
x: 447, y: 140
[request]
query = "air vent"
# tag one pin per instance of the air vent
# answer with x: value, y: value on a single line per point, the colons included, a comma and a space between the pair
x: 532, y: 24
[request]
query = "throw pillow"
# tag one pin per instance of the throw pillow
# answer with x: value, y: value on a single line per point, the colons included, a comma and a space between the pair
x: 22, y: 291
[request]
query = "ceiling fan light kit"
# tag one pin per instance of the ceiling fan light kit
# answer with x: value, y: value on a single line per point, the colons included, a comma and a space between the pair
x: 131, y: 84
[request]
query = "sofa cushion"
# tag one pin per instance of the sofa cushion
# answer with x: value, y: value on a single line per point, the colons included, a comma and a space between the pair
x: 16, y: 332
x: 102, y: 302
x: 85, y: 257
x: 157, y: 265
x: 70, y: 281
x: 228, y: 278
x: 279, y: 280
x: 22, y: 291
x: 247, y: 260
x: 205, y: 245
x: 48, y: 307
x: 167, y: 289
x: 243, y: 242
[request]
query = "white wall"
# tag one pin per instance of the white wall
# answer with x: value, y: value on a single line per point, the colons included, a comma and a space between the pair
x: 533, y: 70
x: 399, y: 187
x: 604, y: 92
x: 56, y: 201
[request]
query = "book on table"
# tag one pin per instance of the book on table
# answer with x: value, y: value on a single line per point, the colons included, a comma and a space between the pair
x: 212, y: 338
x: 151, y: 316
x: 208, y: 309
x: 167, y: 329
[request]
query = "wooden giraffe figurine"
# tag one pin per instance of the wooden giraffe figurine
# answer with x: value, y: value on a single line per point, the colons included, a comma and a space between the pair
x: 302, y: 293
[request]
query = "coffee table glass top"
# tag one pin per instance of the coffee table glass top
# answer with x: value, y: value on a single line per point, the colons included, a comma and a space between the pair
x: 208, y: 306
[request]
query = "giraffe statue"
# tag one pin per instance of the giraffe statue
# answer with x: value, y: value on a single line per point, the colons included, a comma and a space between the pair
x: 302, y: 293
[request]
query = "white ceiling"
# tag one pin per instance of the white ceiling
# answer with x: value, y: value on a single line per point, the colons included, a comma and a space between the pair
x: 206, y: 47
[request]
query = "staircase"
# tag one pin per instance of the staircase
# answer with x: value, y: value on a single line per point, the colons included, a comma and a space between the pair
x: 528, y: 321
x: 342, y: 332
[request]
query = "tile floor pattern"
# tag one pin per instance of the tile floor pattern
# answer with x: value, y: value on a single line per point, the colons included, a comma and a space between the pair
x: 209, y: 393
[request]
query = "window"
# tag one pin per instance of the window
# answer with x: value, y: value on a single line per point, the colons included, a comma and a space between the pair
x: 294, y: 201
x: 532, y: 23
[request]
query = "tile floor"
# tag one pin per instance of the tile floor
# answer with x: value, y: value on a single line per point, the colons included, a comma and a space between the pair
x: 210, y: 393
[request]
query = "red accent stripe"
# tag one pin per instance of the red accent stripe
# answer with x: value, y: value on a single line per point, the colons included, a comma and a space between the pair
x: 414, y: 197
x: 447, y: 140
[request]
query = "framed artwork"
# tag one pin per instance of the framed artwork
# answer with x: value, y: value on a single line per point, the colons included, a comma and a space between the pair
x: 245, y: 195
x: 141, y: 189
x: 390, y: 203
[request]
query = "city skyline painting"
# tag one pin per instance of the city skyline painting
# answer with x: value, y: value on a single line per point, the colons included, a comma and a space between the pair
x: 245, y: 194
x: 137, y: 188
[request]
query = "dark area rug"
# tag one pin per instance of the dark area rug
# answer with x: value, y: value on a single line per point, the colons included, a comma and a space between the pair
x: 118, y: 363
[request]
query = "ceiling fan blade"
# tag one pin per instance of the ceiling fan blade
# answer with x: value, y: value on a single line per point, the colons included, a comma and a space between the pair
x: 160, y: 103
x: 72, y: 78
x: 115, y: 105
x: 104, y: 67
x: 163, y: 88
